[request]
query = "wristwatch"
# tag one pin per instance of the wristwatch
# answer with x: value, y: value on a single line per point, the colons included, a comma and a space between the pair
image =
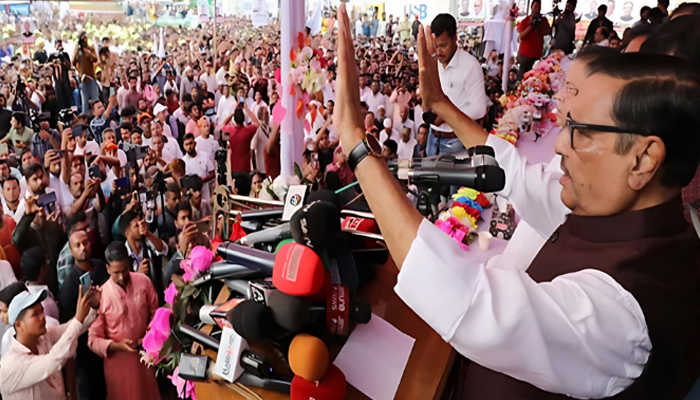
x: 368, y: 146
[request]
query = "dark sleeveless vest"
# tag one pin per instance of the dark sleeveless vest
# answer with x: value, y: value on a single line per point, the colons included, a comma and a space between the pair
x: 655, y: 255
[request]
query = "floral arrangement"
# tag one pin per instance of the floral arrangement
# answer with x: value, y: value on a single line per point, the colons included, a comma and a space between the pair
x: 459, y: 221
x: 277, y: 189
x: 513, y: 13
x: 538, y: 86
x: 307, y: 72
x: 162, y: 346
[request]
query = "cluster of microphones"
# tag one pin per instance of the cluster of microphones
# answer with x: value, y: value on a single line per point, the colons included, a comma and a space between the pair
x: 295, y: 289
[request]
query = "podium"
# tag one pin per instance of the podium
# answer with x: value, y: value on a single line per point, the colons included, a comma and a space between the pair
x: 428, y: 366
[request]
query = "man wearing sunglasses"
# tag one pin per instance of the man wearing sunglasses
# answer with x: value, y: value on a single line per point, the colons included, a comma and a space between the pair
x: 607, y: 307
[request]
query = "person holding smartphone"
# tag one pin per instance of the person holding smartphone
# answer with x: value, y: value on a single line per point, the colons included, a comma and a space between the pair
x: 20, y: 135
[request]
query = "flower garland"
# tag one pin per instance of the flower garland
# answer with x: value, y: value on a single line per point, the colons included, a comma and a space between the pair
x: 538, y: 86
x: 162, y: 347
x: 307, y: 72
x: 460, y: 220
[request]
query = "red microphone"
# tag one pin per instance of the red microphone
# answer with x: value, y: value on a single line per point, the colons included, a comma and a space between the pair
x: 331, y: 387
x: 298, y: 271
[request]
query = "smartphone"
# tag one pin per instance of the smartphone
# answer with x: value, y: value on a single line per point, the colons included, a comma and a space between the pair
x: 241, y: 99
x: 59, y: 153
x: 3, y: 149
x: 95, y: 172
x: 122, y: 182
x: 85, y: 282
x: 188, y: 181
x: 111, y: 91
x: 46, y: 199
x: 203, y: 226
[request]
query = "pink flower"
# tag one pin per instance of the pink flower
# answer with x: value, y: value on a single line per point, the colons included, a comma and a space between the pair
x: 200, y: 259
x: 170, y: 294
x: 190, y: 273
x: 152, y: 345
x: 185, y: 389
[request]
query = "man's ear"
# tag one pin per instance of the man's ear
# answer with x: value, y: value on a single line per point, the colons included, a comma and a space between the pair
x: 649, y: 154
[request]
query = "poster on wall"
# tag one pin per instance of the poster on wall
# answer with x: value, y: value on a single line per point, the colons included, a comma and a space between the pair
x: 470, y: 9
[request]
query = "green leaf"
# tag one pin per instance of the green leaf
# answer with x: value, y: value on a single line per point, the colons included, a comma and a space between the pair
x: 272, y: 193
x: 188, y: 291
x: 297, y: 171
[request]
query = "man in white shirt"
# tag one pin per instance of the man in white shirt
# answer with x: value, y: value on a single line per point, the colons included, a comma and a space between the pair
x: 374, y: 98
x: 405, y: 122
x: 227, y: 104
x: 170, y: 147
x: 31, y: 368
x: 406, y: 145
x: 587, y: 331
x: 84, y: 147
x: 381, y: 28
x: 198, y: 164
x: 461, y: 80
x: 364, y: 89
x: 161, y: 115
x: 11, y: 203
x: 388, y: 132
x: 314, y: 122
x: 205, y: 142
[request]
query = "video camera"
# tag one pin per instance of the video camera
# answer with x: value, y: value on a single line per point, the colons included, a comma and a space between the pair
x: 475, y: 168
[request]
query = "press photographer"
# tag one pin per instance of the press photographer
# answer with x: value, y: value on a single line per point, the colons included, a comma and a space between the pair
x: 532, y: 29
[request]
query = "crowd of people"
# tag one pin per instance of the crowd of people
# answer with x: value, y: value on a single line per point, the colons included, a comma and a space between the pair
x: 109, y: 156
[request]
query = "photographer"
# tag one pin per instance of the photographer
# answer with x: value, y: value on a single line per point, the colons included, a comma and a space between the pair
x: 45, y: 138
x: 84, y: 61
x: 532, y: 29
x: 565, y: 29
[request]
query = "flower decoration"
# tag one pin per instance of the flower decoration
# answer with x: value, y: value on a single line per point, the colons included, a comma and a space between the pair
x: 307, y: 73
x: 460, y: 219
x: 538, y: 86
x: 185, y: 389
x: 162, y: 347
x: 170, y: 294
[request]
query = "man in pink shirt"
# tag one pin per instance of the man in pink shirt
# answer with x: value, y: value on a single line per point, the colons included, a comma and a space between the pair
x: 129, y: 302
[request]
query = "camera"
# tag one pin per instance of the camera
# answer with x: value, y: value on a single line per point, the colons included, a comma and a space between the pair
x: 66, y: 116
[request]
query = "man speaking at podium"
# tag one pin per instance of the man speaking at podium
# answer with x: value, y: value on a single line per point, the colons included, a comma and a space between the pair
x: 608, y: 306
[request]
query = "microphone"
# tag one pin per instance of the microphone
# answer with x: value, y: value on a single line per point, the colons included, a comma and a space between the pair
x: 199, y: 337
x: 331, y: 387
x: 324, y: 195
x: 255, y: 259
x: 269, y: 235
x: 486, y: 178
x: 293, y: 314
x: 223, y: 269
x: 252, y: 320
x: 281, y: 384
x: 316, y: 225
x: 265, y: 214
x: 298, y: 270
x: 308, y: 357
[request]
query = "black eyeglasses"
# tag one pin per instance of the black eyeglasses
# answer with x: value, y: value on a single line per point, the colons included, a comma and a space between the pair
x: 573, y: 125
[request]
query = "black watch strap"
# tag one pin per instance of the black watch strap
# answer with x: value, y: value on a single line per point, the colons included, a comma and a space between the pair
x: 358, y: 154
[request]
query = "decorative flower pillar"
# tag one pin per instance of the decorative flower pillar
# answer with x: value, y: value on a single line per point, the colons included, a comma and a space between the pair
x: 291, y: 129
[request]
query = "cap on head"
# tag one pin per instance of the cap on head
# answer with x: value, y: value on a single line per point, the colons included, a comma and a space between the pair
x: 22, y: 301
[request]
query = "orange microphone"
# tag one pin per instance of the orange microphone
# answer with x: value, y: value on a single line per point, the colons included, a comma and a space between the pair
x: 308, y: 357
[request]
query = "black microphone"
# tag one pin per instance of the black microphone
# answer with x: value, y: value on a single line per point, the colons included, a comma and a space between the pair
x: 265, y: 214
x: 223, y: 269
x: 278, y: 383
x: 317, y: 225
x: 486, y: 178
x: 269, y: 235
x: 253, y: 320
x: 293, y: 314
x: 255, y: 259
x: 199, y: 336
